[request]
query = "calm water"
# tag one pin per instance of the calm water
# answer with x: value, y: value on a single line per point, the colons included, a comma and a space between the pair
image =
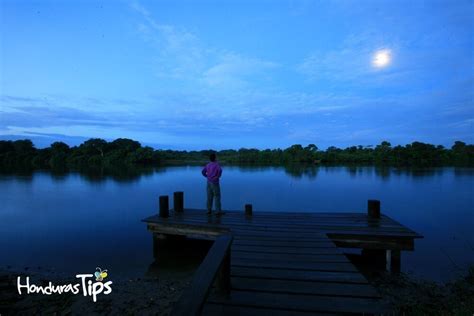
x: 73, y: 222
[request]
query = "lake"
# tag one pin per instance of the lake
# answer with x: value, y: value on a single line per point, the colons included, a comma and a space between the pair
x: 74, y: 222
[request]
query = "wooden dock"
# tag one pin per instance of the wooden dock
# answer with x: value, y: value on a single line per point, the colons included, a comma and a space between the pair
x: 284, y: 263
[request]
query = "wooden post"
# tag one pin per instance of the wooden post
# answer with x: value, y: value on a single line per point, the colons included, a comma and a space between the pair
x: 164, y: 206
x: 395, y: 262
x: 373, y: 208
x: 248, y: 209
x: 178, y: 201
x: 155, y: 246
x: 223, y: 276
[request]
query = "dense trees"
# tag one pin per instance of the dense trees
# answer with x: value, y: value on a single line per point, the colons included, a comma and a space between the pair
x: 93, y: 152
x: 98, y: 152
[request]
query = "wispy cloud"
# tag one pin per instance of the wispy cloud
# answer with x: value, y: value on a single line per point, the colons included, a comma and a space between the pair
x: 162, y: 76
x: 351, y: 60
x: 181, y: 55
x: 232, y: 70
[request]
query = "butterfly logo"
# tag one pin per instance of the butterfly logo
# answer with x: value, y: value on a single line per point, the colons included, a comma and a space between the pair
x: 100, y: 274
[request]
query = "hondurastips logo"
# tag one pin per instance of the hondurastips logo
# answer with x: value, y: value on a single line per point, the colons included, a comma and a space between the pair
x: 87, y: 286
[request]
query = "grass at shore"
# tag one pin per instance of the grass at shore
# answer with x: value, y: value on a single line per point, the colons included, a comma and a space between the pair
x: 410, y: 296
x: 153, y: 296
x: 137, y: 296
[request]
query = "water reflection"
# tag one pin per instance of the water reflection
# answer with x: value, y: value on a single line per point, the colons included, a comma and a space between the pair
x: 44, y: 211
x: 127, y: 173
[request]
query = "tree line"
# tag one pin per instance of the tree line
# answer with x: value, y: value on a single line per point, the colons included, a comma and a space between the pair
x: 99, y: 152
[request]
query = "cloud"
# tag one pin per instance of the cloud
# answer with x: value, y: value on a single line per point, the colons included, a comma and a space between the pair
x: 463, y: 123
x: 181, y: 55
x: 178, y: 52
x: 351, y: 62
x: 418, y: 60
x: 232, y: 70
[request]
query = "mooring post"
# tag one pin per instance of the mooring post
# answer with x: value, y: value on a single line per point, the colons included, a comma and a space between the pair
x: 395, y: 262
x: 248, y: 210
x: 373, y: 208
x: 164, y: 206
x: 178, y: 201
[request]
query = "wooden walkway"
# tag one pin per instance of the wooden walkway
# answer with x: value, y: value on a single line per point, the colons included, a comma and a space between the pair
x: 289, y: 263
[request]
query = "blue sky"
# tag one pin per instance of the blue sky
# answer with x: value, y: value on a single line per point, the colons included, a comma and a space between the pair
x: 231, y: 74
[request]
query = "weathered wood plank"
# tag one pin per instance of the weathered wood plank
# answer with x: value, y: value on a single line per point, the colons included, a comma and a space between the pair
x: 181, y: 229
x: 268, y: 237
x: 303, y: 287
x: 288, y: 213
x: 371, y: 242
x: 284, y: 243
x: 380, y: 231
x: 289, y: 263
x: 211, y: 309
x: 307, y: 303
x: 305, y: 275
x: 315, y: 216
x: 288, y: 224
x: 325, y: 229
x: 292, y: 222
x: 299, y: 234
x: 301, y: 265
x: 290, y: 257
x: 193, y: 298
x: 297, y: 250
x: 295, y: 243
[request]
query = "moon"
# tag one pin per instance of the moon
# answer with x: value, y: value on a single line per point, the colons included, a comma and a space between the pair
x: 382, y: 58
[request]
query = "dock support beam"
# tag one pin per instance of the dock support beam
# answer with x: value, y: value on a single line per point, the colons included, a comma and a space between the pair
x: 248, y: 210
x: 164, y: 206
x: 395, y: 261
x: 373, y: 208
x: 178, y: 201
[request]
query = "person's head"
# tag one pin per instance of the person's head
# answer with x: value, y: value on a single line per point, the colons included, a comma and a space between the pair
x: 212, y: 157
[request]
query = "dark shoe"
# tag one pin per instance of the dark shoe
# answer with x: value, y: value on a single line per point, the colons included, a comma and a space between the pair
x: 220, y: 213
x: 209, y: 213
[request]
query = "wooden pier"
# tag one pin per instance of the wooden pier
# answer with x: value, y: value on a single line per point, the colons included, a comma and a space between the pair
x: 276, y: 263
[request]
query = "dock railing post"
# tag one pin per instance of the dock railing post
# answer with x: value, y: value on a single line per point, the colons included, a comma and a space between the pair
x: 373, y: 208
x: 164, y: 206
x: 178, y: 201
x: 248, y: 210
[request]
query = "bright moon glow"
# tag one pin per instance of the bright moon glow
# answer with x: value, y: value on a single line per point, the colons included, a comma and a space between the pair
x: 381, y: 58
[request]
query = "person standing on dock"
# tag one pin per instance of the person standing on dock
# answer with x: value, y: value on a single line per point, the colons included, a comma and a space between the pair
x: 213, y: 171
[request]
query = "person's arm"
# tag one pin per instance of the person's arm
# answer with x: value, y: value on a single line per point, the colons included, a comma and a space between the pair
x: 204, y: 172
x: 220, y: 172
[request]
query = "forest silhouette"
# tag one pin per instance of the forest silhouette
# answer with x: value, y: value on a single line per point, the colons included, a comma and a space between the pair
x: 99, y: 152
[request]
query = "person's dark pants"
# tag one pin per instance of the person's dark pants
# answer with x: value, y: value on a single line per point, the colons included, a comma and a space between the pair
x: 213, y: 192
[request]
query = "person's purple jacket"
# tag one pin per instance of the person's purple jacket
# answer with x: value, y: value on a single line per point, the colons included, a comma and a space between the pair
x: 212, y: 171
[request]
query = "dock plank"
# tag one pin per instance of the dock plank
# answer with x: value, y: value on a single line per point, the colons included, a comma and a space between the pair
x: 289, y: 263
x: 297, y: 265
x: 308, y: 224
x: 284, y: 243
x: 303, y: 287
x: 297, y: 250
x: 300, y: 302
x: 289, y: 257
x: 212, y: 309
x: 304, y: 275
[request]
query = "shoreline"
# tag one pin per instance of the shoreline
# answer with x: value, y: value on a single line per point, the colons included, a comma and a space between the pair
x: 154, y: 296
x: 147, y: 295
